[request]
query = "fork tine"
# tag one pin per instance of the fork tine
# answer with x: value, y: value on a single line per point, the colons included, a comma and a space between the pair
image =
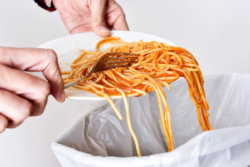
x: 113, y: 66
x: 118, y: 63
x: 114, y: 62
x: 121, y: 53
x: 110, y: 62
x: 116, y: 59
x: 122, y: 57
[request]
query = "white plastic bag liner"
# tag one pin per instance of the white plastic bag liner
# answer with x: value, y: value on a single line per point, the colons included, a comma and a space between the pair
x: 99, y: 139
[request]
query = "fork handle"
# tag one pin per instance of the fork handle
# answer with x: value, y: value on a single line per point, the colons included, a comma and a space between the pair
x: 68, y: 85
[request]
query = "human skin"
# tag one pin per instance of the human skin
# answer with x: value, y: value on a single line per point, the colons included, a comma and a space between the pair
x: 98, y: 16
x: 22, y: 94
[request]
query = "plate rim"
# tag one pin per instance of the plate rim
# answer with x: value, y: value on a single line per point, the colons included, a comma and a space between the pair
x: 113, y: 31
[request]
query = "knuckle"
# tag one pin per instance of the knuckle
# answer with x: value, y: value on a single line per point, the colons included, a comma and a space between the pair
x: 4, y: 73
x: 23, y: 112
x: 39, y: 110
x: 2, y: 127
x: 38, y: 113
x: 44, y: 89
x: 3, y: 124
x: 3, y: 93
x: 52, y: 55
x: 2, y: 68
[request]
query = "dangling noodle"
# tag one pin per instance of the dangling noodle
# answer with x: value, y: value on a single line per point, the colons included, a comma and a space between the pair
x: 158, y: 65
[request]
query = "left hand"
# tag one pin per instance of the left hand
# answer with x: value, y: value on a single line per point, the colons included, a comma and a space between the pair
x: 91, y: 15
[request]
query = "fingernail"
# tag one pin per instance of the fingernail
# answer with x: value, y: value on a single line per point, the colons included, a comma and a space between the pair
x: 63, y: 96
x: 104, y: 31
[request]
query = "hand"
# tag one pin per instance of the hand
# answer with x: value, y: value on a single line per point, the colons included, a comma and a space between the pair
x: 21, y: 94
x: 91, y: 15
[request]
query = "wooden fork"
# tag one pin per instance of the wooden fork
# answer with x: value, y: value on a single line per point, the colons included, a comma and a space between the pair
x: 108, y: 61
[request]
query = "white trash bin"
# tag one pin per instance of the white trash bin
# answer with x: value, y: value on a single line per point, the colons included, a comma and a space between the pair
x: 99, y: 139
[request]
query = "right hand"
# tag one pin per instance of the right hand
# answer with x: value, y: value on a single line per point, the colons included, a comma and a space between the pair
x: 22, y: 94
x: 91, y: 15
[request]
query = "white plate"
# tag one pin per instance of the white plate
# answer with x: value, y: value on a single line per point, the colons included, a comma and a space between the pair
x: 67, y: 49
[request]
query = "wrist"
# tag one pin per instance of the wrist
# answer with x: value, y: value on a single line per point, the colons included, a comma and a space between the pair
x: 46, y: 4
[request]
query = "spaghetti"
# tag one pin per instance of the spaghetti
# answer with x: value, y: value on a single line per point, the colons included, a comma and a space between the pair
x: 158, y: 65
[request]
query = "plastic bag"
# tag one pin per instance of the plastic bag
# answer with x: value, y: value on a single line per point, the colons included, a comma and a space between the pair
x: 100, y: 139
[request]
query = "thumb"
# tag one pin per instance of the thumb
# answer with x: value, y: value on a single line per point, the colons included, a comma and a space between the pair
x: 98, y: 23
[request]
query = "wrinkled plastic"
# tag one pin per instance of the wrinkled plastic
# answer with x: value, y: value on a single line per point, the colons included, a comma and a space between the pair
x: 100, y: 139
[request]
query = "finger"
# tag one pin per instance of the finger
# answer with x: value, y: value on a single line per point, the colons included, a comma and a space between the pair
x: 15, y: 108
x: 3, y: 123
x: 30, y: 87
x: 102, y: 31
x: 98, y: 23
x: 80, y: 29
x: 116, y: 17
x: 120, y: 23
x: 44, y: 60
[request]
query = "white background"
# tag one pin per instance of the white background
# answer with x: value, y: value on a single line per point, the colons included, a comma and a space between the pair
x: 216, y: 32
